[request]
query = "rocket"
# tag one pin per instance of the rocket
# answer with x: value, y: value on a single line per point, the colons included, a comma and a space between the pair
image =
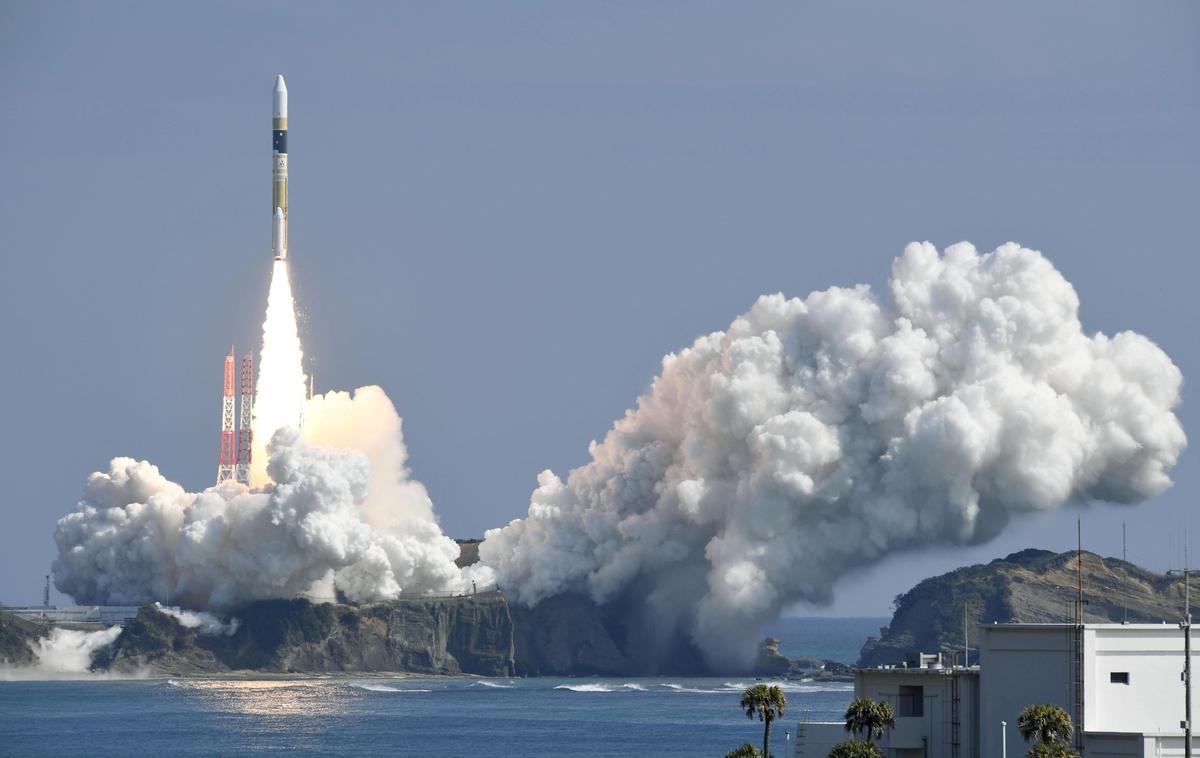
x: 279, y: 171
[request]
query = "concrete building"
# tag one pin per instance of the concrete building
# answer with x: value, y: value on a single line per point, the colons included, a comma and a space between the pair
x: 936, y: 707
x: 1121, y: 683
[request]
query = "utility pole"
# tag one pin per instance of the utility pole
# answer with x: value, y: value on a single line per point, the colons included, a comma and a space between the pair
x: 1125, y: 576
x: 966, y: 639
x: 1186, y: 626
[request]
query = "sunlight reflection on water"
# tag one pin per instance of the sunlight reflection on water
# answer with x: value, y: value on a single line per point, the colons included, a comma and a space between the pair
x: 269, y: 697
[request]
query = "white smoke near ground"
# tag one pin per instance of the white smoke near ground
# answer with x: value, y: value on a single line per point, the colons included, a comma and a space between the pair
x: 819, y: 435
x: 342, y: 512
x: 63, y: 653
x: 202, y: 621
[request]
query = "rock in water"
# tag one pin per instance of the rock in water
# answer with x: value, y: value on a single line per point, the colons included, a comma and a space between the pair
x: 769, y: 661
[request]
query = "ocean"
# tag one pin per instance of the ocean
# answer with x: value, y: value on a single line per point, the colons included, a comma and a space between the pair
x: 411, y: 716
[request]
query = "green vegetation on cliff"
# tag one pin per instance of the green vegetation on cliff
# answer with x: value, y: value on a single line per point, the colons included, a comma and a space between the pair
x: 1030, y: 586
x: 17, y: 638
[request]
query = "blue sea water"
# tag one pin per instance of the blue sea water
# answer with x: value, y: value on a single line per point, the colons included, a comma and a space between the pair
x: 446, y: 717
x: 834, y: 639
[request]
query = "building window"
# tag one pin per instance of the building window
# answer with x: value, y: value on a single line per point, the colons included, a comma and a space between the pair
x: 1119, y: 677
x: 911, y: 701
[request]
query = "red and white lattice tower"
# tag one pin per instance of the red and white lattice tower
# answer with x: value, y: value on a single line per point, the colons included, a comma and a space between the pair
x: 245, y: 435
x: 225, y: 465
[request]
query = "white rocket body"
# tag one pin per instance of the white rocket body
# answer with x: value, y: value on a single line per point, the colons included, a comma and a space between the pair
x: 279, y: 171
x: 279, y: 235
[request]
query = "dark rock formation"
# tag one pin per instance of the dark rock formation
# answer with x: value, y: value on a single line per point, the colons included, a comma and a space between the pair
x: 569, y: 635
x: 566, y: 635
x: 471, y: 634
x: 17, y: 639
x: 1031, y: 586
x: 468, y: 552
x: 769, y: 661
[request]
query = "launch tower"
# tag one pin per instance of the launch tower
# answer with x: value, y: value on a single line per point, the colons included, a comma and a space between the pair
x: 225, y: 464
x: 236, y: 435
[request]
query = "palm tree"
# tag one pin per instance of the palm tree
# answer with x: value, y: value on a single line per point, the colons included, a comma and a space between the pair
x: 869, y: 717
x: 1049, y: 723
x: 745, y: 751
x: 855, y: 749
x: 768, y: 703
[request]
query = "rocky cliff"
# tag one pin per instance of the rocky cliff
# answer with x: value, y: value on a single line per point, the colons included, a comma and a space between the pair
x: 471, y: 634
x: 482, y: 634
x: 1032, y: 586
x: 17, y: 640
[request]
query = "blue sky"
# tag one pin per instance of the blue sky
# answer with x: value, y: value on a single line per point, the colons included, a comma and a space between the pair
x: 505, y: 214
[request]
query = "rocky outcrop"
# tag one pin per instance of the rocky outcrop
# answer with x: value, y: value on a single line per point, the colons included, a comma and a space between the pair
x: 468, y: 552
x: 470, y: 634
x: 769, y: 661
x: 1031, y: 586
x: 17, y: 640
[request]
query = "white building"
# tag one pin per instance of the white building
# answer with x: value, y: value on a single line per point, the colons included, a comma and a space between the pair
x: 1121, y: 683
x: 936, y: 708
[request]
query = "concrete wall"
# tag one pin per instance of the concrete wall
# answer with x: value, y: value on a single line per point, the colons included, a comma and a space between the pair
x: 816, y: 738
x: 1024, y: 664
x: 1115, y: 746
x: 1021, y: 664
x: 1152, y: 702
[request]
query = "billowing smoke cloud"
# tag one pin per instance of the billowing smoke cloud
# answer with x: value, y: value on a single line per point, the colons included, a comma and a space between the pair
x: 342, y: 513
x: 819, y: 435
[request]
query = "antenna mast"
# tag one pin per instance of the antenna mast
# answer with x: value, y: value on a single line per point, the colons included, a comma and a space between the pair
x: 1078, y: 637
x: 1125, y: 576
x: 1186, y: 626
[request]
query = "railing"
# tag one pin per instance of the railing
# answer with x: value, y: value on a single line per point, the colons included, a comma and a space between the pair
x: 418, y: 595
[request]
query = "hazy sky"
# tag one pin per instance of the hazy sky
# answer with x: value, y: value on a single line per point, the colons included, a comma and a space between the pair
x: 506, y: 213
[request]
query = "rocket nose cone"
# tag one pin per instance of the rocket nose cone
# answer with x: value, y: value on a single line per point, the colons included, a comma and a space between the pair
x: 279, y: 104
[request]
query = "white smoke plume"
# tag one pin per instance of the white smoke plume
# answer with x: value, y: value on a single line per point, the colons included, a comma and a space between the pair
x: 342, y: 511
x: 819, y: 435
x: 202, y: 621
x: 62, y: 654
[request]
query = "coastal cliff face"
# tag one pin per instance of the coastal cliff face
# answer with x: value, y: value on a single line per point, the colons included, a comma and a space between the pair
x: 482, y: 634
x: 1031, y: 586
x: 17, y: 640
x: 471, y: 634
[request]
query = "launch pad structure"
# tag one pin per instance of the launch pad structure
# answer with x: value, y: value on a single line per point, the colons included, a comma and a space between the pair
x: 236, y: 434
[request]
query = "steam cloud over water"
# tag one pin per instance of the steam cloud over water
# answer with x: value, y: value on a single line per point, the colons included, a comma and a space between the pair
x: 818, y: 435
